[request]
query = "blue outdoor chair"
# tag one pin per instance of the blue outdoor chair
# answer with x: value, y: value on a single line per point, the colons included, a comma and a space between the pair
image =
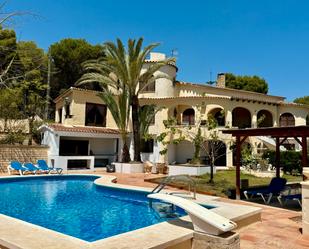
x: 292, y: 194
x: 31, y: 168
x: 15, y: 165
x: 276, y: 185
x: 42, y: 165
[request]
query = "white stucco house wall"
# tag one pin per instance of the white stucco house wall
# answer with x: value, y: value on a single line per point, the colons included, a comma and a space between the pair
x: 85, y: 131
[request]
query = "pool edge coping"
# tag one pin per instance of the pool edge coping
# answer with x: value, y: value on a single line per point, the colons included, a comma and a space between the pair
x: 49, y: 238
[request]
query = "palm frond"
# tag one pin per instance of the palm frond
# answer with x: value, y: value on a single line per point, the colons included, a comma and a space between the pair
x: 103, y: 80
x: 146, y: 115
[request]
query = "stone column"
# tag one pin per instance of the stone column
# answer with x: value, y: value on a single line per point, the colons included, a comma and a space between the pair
x: 305, y: 207
x: 229, y: 156
x: 228, y: 118
x: 254, y: 121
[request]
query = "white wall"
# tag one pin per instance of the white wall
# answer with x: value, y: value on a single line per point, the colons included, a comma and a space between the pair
x: 184, y: 151
x: 103, y: 146
x: 51, y: 140
x: 171, y: 153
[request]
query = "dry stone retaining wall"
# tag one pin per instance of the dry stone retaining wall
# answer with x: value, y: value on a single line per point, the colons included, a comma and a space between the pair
x: 22, y: 153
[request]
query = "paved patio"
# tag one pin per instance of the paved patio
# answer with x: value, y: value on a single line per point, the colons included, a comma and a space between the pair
x: 279, y: 228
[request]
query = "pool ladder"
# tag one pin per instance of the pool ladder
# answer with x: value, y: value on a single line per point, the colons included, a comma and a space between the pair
x: 191, y: 187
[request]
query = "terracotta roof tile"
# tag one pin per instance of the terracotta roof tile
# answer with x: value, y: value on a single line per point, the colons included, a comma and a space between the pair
x: 201, y: 85
x: 74, y: 89
x: 85, y: 129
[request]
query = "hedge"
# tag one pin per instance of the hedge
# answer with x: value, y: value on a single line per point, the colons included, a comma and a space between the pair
x: 290, y: 161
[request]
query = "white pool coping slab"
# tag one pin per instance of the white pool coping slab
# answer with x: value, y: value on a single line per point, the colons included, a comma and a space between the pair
x: 18, y: 234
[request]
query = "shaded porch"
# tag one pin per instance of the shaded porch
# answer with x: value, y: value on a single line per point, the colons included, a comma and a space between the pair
x: 77, y: 147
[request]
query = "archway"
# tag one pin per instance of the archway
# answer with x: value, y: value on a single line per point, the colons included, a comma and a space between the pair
x: 287, y: 119
x: 188, y: 117
x: 218, y: 115
x: 246, y: 146
x: 241, y: 118
x: 264, y: 119
x: 215, y: 149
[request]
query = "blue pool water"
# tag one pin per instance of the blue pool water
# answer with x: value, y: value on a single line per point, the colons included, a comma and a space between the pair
x: 75, y: 206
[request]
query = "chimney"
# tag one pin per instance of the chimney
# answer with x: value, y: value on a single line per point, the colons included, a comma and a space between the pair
x: 221, y: 80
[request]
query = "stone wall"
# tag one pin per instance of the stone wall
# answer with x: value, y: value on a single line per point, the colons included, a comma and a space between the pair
x: 228, y: 240
x: 22, y: 153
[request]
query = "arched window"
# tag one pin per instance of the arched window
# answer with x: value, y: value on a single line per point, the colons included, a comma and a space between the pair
x: 287, y: 119
x: 218, y: 115
x: 241, y: 118
x: 188, y: 117
x: 264, y: 119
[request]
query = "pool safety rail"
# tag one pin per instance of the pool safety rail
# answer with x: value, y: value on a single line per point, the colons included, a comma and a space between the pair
x: 203, y: 220
x: 185, y: 178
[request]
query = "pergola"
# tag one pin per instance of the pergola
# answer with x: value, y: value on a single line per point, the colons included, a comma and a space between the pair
x: 280, y: 134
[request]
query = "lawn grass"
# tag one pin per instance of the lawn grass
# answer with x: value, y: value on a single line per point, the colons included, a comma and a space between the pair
x: 225, y: 180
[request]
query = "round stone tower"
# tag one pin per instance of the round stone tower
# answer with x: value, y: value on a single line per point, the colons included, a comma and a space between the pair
x: 164, y: 87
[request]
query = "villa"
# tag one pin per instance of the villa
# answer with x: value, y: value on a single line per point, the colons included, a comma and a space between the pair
x: 85, y: 135
x: 83, y: 209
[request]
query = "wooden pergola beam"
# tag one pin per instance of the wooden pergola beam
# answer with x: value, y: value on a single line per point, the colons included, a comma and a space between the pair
x: 304, y: 154
x: 275, y: 132
x: 282, y: 141
x: 277, y: 159
x: 239, y: 142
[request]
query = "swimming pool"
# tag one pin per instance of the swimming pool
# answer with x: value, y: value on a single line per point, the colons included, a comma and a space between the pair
x: 75, y: 206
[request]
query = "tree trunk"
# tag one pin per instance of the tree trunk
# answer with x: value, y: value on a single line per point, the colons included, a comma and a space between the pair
x: 211, y: 180
x: 136, y: 128
x: 125, y: 156
x: 30, y: 131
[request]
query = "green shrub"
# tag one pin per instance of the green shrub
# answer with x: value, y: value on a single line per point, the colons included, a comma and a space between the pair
x: 13, y: 138
x: 290, y: 161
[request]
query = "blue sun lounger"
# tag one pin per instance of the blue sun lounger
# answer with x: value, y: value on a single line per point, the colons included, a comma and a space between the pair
x: 42, y: 165
x: 15, y: 165
x: 31, y: 168
x: 276, y: 185
x: 295, y: 197
x: 292, y: 194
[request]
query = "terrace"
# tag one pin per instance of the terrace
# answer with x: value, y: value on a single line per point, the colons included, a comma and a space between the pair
x: 277, y: 228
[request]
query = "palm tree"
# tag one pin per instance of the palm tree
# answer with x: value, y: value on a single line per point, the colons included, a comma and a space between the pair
x: 123, y: 69
x: 146, y: 116
x: 120, y: 111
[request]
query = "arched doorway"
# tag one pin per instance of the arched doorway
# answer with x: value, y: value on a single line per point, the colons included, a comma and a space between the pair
x: 287, y: 119
x: 264, y: 119
x: 241, y: 118
x: 188, y: 117
x: 215, y: 149
x: 218, y: 115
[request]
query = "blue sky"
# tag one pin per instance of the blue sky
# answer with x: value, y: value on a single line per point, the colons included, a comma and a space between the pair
x: 268, y: 38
